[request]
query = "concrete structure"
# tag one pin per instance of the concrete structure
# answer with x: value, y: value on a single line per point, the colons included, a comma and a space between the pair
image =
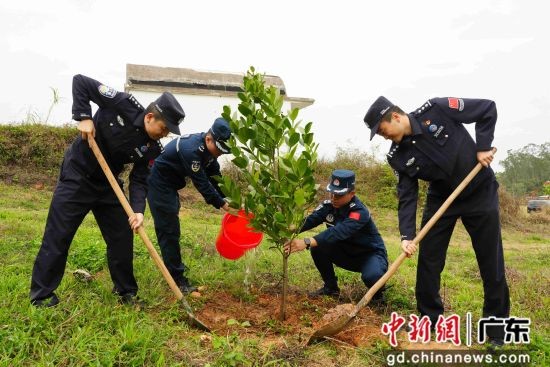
x: 202, y: 94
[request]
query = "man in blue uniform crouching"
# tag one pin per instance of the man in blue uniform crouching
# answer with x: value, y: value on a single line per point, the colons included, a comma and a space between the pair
x: 350, y: 241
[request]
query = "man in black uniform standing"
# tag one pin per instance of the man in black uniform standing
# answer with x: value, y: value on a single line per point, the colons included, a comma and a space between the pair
x: 432, y: 144
x: 194, y: 156
x: 126, y: 133
x: 351, y: 240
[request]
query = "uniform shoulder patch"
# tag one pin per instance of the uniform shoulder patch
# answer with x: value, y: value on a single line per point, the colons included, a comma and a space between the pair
x: 195, y: 166
x: 107, y: 91
x: 327, y: 202
x: 456, y: 103
x: 355, y: 215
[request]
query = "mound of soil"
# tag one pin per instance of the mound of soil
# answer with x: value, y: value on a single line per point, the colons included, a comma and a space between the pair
x: 260, y: 317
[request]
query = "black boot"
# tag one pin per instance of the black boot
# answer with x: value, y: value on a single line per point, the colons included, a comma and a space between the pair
x: 325, y: 291
x: 185, y: 286
x: 379, y: 298
x: 46, y: 302
x: 131, y: 299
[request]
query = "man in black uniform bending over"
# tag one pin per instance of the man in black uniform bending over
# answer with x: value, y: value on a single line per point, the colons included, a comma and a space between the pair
x: 126, y: 133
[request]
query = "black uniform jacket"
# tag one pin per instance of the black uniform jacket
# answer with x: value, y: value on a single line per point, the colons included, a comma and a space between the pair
x: 187, y: 156
x: 441, y: 151
x: 120, y: 134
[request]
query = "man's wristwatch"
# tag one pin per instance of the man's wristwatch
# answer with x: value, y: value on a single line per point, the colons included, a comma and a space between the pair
x: 307, y: 241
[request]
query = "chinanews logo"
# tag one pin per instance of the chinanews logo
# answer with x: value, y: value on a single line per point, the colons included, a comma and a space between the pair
x: 447, y: 329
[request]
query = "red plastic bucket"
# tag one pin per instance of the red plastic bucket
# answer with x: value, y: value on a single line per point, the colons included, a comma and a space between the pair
x: 236, y: 236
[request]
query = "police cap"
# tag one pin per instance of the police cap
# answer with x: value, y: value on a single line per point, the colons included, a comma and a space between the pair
x: 341, y: 182
x: 221, y: 133
x: 171, y: 111
x: 375, y: 113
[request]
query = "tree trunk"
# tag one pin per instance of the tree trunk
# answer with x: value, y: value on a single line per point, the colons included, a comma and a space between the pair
x: 282, y: 314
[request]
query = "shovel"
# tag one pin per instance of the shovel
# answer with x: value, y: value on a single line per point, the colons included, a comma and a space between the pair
x: 339, y: 322
x: 191, y: 318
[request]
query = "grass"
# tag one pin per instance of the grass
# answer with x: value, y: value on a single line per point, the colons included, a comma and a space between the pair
x: 89, y: 327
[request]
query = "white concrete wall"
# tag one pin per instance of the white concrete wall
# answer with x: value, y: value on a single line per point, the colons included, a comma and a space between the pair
x: 200, y: 111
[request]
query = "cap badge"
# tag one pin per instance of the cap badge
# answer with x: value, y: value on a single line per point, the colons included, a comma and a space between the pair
x: 336, y: 182
x: 384, y: 110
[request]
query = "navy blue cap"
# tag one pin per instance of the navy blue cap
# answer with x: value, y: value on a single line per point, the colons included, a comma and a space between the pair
x: 171, y: 111
x: 341, y: 182
x: 375, y: 113
x: 221, y: 133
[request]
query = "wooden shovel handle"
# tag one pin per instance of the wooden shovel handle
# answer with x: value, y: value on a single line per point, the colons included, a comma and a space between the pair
x: 393, y: 268
x: 128, y: 209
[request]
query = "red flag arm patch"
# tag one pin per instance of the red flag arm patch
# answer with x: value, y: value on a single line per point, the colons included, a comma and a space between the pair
x: 355, y: 215
x: 453, y: 103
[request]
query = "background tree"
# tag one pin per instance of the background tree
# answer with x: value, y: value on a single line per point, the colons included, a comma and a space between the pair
x: 526, y: 169
x: 276, y: 157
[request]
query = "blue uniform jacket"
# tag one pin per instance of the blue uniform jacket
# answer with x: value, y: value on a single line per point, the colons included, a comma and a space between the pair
x: 120, y: 134
x: 351, y: 224
x: 441, y: 151
x: 187, y: 156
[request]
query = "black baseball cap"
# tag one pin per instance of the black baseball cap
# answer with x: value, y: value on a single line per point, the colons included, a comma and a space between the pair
x: 375, y: 113
x: 171, y: 111
x: 221, y: 133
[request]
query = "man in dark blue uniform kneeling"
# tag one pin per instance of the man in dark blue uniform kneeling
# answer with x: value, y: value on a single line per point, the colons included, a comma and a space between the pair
x: 351, y: 240
x: 194, y: 156
x: 125, y: 132
x: 432, y: 144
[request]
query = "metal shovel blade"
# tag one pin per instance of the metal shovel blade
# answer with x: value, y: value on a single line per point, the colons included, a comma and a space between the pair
x: 332, y: 328
x: 191, y: 318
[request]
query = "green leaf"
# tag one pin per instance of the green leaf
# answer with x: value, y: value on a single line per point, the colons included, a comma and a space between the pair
x: 293, y: 140
x: 299, y: 197
x: 244, y: 109
x: 293, y: 114
x: 240, y: 162
x: 307, y: 129
x: 302, y: 166
x: 292, y: 177
x: 279, y: 217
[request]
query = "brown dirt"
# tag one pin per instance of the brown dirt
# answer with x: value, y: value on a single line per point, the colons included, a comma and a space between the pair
x: 304, y: 315
x: 363, y: 330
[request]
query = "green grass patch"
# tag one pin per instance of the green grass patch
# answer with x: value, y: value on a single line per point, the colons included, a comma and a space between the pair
x: 89, y: 327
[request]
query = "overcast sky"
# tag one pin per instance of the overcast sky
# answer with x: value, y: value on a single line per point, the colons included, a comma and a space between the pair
x: 343, y: 54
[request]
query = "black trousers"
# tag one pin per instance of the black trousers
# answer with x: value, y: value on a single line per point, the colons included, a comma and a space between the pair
x: 371, y: 264
x: 164, y: 204
x: 480, y: 214
x: 74, y: 196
